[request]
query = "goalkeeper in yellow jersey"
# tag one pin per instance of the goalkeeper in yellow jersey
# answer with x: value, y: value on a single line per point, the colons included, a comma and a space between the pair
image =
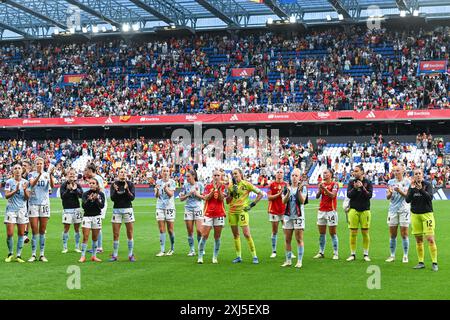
x: 420, y: 195
x: 238, y: 201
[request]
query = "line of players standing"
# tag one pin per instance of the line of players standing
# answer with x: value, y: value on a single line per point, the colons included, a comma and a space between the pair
x: 27, y: 193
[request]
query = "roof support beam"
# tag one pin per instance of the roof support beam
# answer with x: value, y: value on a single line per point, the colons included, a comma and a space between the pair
x: 277, y: 9
x: 93, y: 12
x: 168, y: 11
x: 228, y: 11
x: 348, y: 8
x: 36, y: 11
x: 407, y: 5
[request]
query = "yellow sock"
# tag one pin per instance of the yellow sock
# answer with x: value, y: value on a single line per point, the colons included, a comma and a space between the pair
x: 353, y: 236
x: 237, y: 246
x: 366, y: 242
x: 420, y: 251
x: 251, y: 246
x: 433, y: 251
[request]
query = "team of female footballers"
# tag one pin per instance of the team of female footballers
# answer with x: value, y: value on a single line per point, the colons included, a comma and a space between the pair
x: 27, y: 193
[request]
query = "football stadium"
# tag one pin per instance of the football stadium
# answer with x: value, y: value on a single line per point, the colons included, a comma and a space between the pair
x: 224, y: 149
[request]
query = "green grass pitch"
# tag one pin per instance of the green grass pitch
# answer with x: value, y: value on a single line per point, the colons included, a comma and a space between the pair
x: 179, y: 277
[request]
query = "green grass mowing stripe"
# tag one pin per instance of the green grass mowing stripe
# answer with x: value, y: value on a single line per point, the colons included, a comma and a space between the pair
x: 179, y: 277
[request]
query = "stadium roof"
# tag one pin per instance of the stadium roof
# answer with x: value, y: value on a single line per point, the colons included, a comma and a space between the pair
x: 43, y: 18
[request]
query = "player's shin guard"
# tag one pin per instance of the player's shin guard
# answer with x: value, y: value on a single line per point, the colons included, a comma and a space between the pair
x: 393, y: 245
x: 83, y: 249
x: 288, y: 256
x: 201, y: 247
x: 77, y: 240
x: 237, y: 246
x: 162, y: 241
x: 322, y: 243
x: 19, y: 245
x: 199, y: 237
x: 94, y: 247
x: 366, y: 241
x: 130, y: 247
x: 65, y: 238
x: 10, y: 244
x: 274, y: 242
x: 115, y: 248
x: 353, y: 236
x: 191, y: 243
x: 405, y: 242
x: 33, y: 244
x: 420, y: 252
x: 300, y: 251
x: 335, y: 241
x: 251, y: 246
x: 99, y: 240
x: 433, y: 251
x: 172, y: 241
x: 216, y: 247
x: 42, y: 243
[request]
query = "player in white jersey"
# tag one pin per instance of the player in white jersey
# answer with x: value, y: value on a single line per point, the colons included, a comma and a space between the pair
x: 90, y: 172
x: 399, y: 212
x: 41, y: 183
x: 165, y: 210
x: 192, y: 193
x: 295, y: 198
x: 17, y: 194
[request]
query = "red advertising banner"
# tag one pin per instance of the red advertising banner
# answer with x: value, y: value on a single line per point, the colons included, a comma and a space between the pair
x: 438, y: 66
x: 242, y: 72
x: 336, y: 116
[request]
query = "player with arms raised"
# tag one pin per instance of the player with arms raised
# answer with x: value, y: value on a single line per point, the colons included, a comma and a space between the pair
x: 41, y: 183
x: 165, y: 210
x: 71, y: 193
x: 399, y: 212
x: 17, y: 194
x: 327, y: 214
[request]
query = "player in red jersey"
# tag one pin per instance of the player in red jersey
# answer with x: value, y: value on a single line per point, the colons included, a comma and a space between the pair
x: 276, y: 206
x: 214, y: 215
x: 327, y: 215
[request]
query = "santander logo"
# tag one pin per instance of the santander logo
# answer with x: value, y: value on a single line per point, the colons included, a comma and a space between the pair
x: 417, y: 113
x: 234, y: 117
x: 69, y: 120
x: 27, y: 121
x: 148, y: 119
x: 278, y: 116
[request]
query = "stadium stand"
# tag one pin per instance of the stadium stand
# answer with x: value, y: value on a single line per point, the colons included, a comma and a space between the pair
x: 320, y: 70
